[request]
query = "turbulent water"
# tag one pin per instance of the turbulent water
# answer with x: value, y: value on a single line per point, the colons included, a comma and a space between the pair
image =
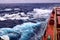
x: 36, y: 13
x: 9, y: 20
x: 16, y: 14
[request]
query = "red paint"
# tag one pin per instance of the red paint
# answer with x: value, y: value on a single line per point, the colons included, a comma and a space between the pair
x: 54, y: 17
x: 58, y: 18
x: 50, y: 28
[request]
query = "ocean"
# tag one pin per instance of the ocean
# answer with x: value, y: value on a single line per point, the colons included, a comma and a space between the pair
x: 26, y: 8
x: 16, y: 14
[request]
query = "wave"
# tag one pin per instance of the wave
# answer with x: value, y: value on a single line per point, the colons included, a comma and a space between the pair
x: 36, y: 13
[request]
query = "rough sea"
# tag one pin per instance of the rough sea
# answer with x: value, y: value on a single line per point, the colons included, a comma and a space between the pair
x: 9, y: 12
x: 19, y: 13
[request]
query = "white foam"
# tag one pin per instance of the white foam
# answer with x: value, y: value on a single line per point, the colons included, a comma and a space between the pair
x: 7, y: 9
x: 36, y: 13
x: 5, y: 37
x: 16, y: 8
x: 41, y: 13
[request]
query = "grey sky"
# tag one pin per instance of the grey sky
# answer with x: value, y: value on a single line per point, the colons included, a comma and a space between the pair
x: 29, y: 1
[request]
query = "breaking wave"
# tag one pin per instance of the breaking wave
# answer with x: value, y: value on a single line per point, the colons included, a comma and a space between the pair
x: 35, y: 14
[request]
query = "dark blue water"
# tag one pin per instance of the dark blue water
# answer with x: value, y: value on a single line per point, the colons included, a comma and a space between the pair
x: 27, y: 7
x: 24, y: 7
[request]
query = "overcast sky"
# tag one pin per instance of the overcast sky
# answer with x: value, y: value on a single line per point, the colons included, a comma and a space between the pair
x: 29, y: 1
